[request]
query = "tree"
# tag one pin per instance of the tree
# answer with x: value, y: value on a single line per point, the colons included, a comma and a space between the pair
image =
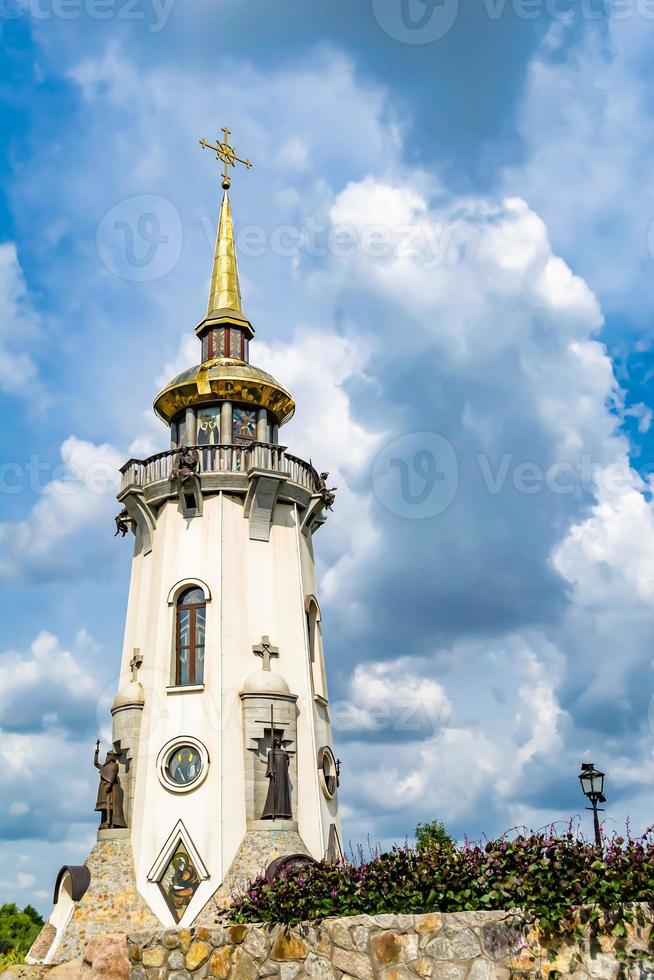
x: 432, y: 834
x: 18, y: 929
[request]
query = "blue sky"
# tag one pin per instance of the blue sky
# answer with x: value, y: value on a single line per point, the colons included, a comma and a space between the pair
x: 449, y: 259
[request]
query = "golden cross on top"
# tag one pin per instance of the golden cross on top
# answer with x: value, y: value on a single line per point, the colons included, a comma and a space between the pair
x: 227, y: 154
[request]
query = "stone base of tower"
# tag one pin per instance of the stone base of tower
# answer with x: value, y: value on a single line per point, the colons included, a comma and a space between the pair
x: 111, y: 904
x: 258, y: 848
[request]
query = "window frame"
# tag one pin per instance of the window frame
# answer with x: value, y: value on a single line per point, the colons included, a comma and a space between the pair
x: 315, y: 648
x: 192, y: 608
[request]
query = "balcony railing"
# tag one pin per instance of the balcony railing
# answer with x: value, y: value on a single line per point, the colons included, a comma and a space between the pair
x: 223, y: 459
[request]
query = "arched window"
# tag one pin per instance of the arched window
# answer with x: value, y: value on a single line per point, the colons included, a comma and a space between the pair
x: 315, y: 647
x: 189, y: 646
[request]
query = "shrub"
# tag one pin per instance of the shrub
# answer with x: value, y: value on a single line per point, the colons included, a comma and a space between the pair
x: 18, y: 930
x: 543, y: 874
x: 11, y: 957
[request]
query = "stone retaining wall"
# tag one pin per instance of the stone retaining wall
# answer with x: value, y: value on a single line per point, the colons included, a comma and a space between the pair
x: 455, y: 946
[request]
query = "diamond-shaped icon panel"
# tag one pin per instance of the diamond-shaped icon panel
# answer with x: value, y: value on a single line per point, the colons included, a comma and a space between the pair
x: 179, y: 882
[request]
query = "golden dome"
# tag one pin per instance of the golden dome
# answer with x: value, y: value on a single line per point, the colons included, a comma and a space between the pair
x: 224, y: 378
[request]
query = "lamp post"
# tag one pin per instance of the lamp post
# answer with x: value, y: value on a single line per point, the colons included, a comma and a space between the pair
x: 592, y: 784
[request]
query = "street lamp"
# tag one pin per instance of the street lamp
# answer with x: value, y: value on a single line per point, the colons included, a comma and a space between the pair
x: 592, y: 784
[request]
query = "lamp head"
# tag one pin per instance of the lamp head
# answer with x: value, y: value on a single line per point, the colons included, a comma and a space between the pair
x: 592, y: 782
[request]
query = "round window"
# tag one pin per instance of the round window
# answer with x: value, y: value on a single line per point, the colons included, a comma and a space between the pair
x: 184, y: 765
x: 328, y: 770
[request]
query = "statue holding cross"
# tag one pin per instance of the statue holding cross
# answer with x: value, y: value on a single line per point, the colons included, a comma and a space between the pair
x: 227, y: 155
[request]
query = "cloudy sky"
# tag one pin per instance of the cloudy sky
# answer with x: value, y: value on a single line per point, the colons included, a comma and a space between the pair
x: 446, y: 248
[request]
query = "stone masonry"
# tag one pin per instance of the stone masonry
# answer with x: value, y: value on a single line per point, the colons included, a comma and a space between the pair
x: 257, y: 850
x: 111, y: 904
x: 453, y: 946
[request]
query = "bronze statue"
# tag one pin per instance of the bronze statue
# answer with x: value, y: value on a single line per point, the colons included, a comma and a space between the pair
x: 122, y: 523
x: 110, y: 793
x: 185, y: 464
x: 278, y: 800
x: 328, y: 494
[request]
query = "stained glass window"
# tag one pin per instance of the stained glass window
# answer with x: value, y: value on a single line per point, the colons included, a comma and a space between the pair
x: 184, y: 765
x: 244, y: 425
x: 219, y: 343
x: 178, y: 431
x: 208, y: 430
x: 191, y: 620
x: 236, y: 343
x: 179, y: 882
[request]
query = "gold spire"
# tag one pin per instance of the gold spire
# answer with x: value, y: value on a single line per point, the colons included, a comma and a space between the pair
x: 225, y: 292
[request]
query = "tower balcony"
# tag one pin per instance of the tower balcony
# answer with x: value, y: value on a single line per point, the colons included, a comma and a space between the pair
x: 227, y: 459
x: 263, y: 473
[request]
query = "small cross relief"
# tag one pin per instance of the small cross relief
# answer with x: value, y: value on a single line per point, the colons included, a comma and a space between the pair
x: 135, y: 663
x: 265, y: 650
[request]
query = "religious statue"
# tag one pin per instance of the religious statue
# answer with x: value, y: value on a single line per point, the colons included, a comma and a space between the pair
x: 110, y: 793
x: 278, y: 800
x: 328, y: 494
x: 122, y: 523
x: 185, y: 464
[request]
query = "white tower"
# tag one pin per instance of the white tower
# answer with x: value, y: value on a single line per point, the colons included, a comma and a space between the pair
x: 222, y: 651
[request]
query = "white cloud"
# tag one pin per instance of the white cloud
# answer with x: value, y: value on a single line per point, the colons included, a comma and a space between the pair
x: 368, y: 202
x: 464, y: 759
x: 79, y: 496
x: 391, y: 698
x: 509, y: 328
x: 45, y: 688
x: 587, y: 134
x: 19, y: 327
x: 608, y: 557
